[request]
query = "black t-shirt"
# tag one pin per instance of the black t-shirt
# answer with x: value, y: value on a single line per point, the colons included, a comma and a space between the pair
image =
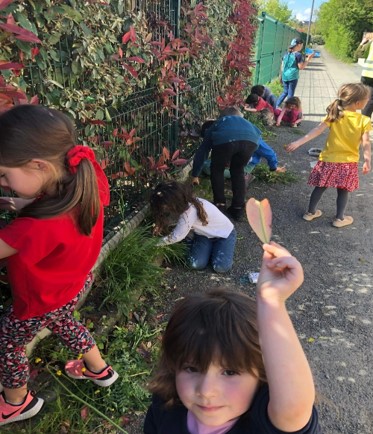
x: 255, y: 421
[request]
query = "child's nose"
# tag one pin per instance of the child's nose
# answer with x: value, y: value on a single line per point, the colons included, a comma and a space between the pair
x: 207, y: 386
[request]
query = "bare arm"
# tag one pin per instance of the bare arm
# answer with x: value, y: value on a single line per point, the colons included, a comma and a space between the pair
x: 299, y: 120
x: 280, y: 116
x: 309, y: 136
x: 303, y: 65
x: 291, y: 388
x: 366, y: 152
x: 6, y: 250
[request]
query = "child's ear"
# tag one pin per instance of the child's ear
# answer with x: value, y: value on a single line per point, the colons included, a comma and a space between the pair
x: 38, y: 164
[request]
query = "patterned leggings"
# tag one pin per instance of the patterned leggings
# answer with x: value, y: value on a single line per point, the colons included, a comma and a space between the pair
x: 15, y: 334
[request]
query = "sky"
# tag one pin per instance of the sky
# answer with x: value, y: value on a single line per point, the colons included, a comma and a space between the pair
x: 302, y: 8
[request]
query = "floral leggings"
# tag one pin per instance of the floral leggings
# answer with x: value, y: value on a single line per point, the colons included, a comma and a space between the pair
x: 15, y: 334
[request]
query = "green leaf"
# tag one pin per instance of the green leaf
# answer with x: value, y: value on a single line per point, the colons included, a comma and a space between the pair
x: 54, y: 38
x: 55, y: 83
x: 71, y: 13
x: 85, y: 29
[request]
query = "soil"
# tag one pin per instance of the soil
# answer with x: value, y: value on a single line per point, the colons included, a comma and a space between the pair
x: 332, y: 311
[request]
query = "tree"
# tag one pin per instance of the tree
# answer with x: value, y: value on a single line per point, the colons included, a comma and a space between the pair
x: 342, y: 23
x: 276, y: 9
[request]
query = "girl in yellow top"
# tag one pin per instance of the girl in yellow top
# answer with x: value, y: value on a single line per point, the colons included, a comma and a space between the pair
x: 338, y: 162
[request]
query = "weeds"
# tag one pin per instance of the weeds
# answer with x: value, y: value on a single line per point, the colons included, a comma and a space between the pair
x: 275, y: 86
x: 263, y: 174
x: 132, y: 268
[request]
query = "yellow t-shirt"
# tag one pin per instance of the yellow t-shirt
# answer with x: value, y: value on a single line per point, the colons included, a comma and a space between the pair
x: 343, y: 142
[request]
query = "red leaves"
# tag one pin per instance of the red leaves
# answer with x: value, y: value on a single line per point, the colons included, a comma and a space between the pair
x: 238, y: 63
x: 20, y: 33
x: 5, y: 3
x: 131, y: 70
x: 84, y: 413
x: 10, y: 96
x: 165, y: 160
x: 129, y: 138
x: 129, y: 36
x: 10, y: 65
x: 129, y: 171
x: 136, y: 59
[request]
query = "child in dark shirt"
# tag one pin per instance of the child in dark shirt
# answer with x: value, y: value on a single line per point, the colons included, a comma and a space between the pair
x: 232, y: 140
x: 227, y: 366
x: 265, y: 93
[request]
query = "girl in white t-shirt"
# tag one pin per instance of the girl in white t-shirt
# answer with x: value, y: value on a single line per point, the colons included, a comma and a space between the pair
x: 214, y: 236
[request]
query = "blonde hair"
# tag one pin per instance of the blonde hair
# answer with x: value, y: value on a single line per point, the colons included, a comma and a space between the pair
x: 348, y: 94
x: 231, y: 111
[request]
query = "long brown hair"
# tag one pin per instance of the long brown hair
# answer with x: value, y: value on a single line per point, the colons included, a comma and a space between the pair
x: 34, y: 132
x: 293, y: 100
x: 171, y: 199
x: 216, y: 327
x: 348, y: 94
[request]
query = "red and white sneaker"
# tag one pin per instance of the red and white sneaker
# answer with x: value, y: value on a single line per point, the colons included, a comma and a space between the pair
x: 78, y: 370
x: 15, y: 412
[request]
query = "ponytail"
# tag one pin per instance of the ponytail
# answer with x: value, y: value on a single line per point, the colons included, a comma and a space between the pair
x: 335, y: 110
x: 202, y: 215
x: 30, y: 132
x: 348, y: 94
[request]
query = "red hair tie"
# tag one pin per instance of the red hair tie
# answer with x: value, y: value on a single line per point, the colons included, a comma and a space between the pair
x: 77, y: 154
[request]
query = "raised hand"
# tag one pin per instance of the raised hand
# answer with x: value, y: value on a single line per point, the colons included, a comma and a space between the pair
x: 281, y: 274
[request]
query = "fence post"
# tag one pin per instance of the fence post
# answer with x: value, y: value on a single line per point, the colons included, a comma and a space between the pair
x: 176, y: 6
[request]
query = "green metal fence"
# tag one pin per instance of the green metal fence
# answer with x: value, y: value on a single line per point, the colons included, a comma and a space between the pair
x: 272, y: 41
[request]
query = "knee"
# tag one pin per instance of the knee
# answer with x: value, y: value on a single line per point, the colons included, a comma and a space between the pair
x: 221, y: 269
x: 197, y: 264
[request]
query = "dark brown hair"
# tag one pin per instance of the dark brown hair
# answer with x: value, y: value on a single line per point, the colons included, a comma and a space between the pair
x: 171, y: 199
x: 252, y: 99
x: 30, y: 132
x: 348, y: 94
x: 258, y: 89
x: 216, y: 327
x: 206, y: 125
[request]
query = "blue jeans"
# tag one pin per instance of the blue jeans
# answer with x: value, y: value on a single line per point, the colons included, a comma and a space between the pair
x: 288, y: 92
x: 218, y: 251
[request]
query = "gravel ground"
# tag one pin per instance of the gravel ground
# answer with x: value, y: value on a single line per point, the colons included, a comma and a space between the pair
x: 332, y: 312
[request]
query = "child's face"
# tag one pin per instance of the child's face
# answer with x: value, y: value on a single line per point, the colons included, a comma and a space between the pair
x: 292, y: 107
x: 26, y: 181
x: 216, y: 396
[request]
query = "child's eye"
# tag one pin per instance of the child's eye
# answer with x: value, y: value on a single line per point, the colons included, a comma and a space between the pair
x: 230, y: 372
x: 190, y: 369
